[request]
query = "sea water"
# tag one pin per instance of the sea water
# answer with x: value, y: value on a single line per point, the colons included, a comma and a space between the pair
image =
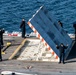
x: 12, y: 12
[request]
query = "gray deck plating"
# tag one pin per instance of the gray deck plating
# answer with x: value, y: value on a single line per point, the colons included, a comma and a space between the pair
x: 39, y: 68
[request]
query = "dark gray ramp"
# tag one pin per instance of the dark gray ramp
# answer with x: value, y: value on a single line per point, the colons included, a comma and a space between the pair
x: 47, y: 29
x: 52, y: 18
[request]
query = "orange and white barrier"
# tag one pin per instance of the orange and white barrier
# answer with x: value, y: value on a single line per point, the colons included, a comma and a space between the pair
x: 45, y: 43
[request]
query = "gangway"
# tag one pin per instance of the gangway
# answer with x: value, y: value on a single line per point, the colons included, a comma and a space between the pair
x: 47, y: 29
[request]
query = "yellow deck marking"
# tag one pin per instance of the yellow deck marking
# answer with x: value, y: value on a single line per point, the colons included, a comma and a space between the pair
x: 18, y: 48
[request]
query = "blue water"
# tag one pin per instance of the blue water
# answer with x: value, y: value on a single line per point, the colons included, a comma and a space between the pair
x: 12, y: 12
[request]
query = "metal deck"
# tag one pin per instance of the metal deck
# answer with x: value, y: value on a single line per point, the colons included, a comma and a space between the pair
x: 36, y: 67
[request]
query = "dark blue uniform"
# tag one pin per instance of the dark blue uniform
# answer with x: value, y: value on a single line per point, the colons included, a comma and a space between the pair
x: 61, y: 48
x: 1, y: 42
x: 0, y: 53
x: 74, y: 25
x: 1, y: 36
x: 22, y: 26
x: 60, y: 23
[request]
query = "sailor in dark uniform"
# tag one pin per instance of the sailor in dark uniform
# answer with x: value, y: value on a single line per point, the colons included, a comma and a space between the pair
x: 74, y: 25
x: 22, y: 26
x: 60, y: 23
x: 1, y: 36
x: 61, y: 48
x: 0, y: 53
x: 1, y: 41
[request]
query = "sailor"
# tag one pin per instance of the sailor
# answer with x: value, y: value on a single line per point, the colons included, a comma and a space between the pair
x: 74, y: 25
x: 1, y: 36
x: 22, y: 26
x: 61, y: 48
x: 0, y: 53
x: 60, y: 23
